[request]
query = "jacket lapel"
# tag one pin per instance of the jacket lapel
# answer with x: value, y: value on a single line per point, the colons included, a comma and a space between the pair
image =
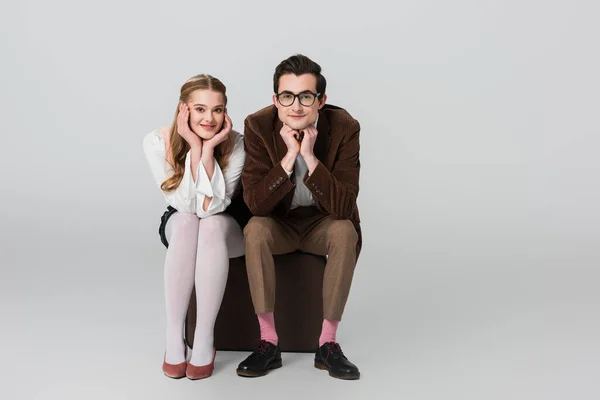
x: 323, y: 141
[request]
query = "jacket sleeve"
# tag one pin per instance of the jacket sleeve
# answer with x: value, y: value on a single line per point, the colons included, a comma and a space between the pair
x: 336, y: 191
x: 264, y: 184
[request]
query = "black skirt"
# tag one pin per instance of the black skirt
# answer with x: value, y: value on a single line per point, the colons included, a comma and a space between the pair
x: 163, y: 223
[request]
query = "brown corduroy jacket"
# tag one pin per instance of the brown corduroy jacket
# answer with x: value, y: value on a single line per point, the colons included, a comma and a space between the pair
x: 334, y: 183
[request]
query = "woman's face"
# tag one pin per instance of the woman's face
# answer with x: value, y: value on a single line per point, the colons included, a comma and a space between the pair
x: 207, y: 112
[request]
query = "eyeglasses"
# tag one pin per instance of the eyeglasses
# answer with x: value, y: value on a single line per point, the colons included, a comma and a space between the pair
x: 307, y: 99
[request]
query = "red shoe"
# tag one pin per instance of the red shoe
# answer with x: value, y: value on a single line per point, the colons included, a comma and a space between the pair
x: 193, y: 372
x: 175, y: 371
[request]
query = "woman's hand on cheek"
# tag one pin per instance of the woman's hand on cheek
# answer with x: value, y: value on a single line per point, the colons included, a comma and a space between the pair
x: 221, y: 136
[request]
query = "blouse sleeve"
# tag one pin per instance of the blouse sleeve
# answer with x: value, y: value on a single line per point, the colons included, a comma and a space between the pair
x: 223, y: 184
x: 183, y: 199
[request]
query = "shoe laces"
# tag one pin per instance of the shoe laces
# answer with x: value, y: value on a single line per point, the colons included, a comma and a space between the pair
x: 262, y: 347
x: 333, y: 349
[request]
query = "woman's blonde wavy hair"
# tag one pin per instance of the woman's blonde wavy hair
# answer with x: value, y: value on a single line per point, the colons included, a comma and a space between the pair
x: 179, y: 147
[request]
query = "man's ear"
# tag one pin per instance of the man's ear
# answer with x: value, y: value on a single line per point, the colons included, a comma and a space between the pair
x: 322, y: 101
x: 275, y: 100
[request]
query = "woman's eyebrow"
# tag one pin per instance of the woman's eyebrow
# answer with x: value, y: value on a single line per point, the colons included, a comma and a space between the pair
x: 203, y: 105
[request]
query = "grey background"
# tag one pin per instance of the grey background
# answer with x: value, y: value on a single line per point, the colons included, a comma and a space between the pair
x: 479, y: 191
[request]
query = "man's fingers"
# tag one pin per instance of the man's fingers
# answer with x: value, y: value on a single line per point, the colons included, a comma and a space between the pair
x: 311, y: 130
x: 289, y: 132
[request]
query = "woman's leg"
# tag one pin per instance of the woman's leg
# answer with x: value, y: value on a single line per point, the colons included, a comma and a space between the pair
x: 182, y: 234
x: 219, y: 238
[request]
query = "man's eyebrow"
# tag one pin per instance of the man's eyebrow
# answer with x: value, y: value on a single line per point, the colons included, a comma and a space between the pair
x: 304, y: 91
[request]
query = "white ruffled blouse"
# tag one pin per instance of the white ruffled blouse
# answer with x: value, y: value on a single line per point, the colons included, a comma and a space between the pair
x: 189, y: 195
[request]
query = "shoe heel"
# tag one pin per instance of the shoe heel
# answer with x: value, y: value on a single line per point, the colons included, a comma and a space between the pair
x: 319, y: 365
x: 194, y: 372
x: 175, y: 371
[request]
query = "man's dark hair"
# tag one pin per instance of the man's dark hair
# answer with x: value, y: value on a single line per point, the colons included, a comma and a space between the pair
x: 298, y: 65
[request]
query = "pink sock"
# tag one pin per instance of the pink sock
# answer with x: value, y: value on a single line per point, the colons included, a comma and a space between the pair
x: 267, y: 328
x: 328, y: 331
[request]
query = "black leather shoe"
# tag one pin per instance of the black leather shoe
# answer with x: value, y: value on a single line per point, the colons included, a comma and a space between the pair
x: 331, y: 358
x: 265, y: 356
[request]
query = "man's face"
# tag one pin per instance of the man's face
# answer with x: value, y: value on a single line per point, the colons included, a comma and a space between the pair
x: 298, y: 115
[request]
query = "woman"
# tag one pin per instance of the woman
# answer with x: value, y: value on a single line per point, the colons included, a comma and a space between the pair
x: 197, y: 163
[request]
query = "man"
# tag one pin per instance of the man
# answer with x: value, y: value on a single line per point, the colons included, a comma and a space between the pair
x: 300, y: 182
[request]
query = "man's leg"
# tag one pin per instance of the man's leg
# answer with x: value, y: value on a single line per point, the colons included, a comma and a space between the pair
x: 338, y: 240
x: 264, y: 237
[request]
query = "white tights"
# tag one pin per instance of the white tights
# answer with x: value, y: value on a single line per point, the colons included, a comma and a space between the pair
x: 198, y: 254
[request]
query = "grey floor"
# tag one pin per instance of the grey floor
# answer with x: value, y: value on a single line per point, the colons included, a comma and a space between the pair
x: 444, y: 332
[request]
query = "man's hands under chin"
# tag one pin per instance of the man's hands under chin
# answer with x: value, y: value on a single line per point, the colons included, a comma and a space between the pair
x: 299, y: 142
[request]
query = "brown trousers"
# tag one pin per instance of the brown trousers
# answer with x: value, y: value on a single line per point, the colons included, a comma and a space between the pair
x: 308, y: 230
